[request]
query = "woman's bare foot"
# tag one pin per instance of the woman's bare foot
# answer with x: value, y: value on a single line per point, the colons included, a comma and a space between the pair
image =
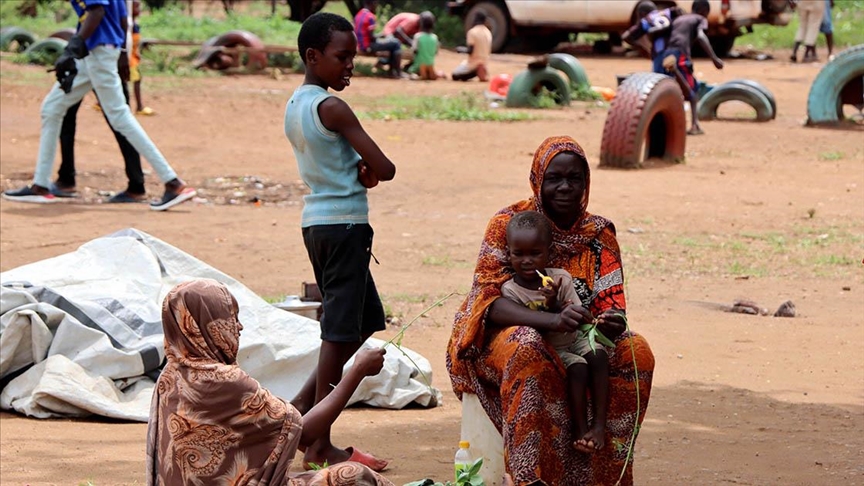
x: 321, y: 456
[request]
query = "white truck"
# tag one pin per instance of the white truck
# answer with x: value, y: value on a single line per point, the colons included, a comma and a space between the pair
x: 547, y: 22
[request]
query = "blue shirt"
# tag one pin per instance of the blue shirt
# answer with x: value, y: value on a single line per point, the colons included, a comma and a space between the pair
x: 110, y: 29
x: 327, y: 163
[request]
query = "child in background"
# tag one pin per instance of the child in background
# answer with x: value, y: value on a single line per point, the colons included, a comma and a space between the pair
x: 368, y: 42
x: 810, y: 14
x: 135, y: 61
x: 338, y: 161
x: 529, y: 236
x: 479, y: 49
x: 425, y: 46
x: 656, y: 25
x: 687, y: 29
x: 827, y: 28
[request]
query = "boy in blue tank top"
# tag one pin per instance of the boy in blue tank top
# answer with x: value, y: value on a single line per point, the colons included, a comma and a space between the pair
x: 338, y: 161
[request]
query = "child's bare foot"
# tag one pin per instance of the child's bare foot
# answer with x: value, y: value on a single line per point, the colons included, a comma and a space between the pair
x: 592, y: 441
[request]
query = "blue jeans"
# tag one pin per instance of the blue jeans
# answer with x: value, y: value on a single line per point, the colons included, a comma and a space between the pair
x: 97, y: 72
x: 391, y: 45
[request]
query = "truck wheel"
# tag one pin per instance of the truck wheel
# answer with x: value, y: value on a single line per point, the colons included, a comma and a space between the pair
x: 735, y: 92
x: 524, y: 91
x: 825, y: 103
x: 721, y: 44
x: 646, y: 120
x: 497, y: 19
x: 15, y: 38
x: 46, y: 51
x: 570, y: 66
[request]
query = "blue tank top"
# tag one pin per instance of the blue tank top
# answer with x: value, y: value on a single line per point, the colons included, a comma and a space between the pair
x: 327, y: 163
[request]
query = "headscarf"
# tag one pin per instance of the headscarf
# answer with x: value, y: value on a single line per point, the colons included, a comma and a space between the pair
x: 210, y: 422
x: 588, y: 250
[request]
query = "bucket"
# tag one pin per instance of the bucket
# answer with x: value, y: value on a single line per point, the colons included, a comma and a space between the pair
x: 292, y: 303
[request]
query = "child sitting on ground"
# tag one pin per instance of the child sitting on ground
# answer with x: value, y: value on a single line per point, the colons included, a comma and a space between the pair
x: 687, y: 29
x: 529, y: 235
x: 339, y: 161
x: 425, y: 47
x: 479, y: 49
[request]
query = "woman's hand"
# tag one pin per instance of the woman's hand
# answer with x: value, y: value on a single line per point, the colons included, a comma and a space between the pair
x: 369, y: 361
x: 570, y: 318
x: 612, y: 323
x: 365, y: 175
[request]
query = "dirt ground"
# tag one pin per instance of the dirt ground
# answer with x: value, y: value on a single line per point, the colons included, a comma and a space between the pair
x: 769, y: 212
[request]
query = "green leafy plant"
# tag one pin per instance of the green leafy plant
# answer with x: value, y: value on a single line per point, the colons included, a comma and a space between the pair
x: 317, y: 467
x: 466, y: 477
x: 583, y: 92
x: 396, y: 340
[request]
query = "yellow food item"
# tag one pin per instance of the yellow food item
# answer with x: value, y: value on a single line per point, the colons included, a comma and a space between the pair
x: 545, y: 279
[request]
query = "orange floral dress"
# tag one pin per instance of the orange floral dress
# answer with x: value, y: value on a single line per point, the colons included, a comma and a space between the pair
x: 519, y: 379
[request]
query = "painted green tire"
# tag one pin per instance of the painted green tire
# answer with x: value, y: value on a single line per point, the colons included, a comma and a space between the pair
x: 824, y: 104
x: 525, y: 87
x: 16, y: 34
x: 570, y: 66
x: 745, y: 93
x: 761, y: 87
x: 46, y: 51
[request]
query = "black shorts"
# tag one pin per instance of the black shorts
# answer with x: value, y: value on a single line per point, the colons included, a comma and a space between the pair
x: 340, y: 256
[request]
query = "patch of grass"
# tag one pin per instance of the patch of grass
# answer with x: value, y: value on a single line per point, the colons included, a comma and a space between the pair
x: 831, y: 156
x: 443, y: 261
x: 464, y: 107
x: 406, y: 298
x: 848, y: 30
x: 581, y: 92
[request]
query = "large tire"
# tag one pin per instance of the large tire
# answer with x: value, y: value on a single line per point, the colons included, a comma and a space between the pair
x: 648, y: 107
x: 210, y: 55
x: 17, y: 38
x: 64, y: 34
x: 824, y: 103
x: 46, y: 51
x: 524, y: 91
x: 761, y: 87
x: 570, y: 66
x: 735, y: 92
x: 497, y: 19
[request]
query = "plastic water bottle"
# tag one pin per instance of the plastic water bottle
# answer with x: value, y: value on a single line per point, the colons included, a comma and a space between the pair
x: 463, y: 458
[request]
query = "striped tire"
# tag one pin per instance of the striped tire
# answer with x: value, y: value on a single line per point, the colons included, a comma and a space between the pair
x: 64, y: 34
x: 838, y: 81
x: 16, y: 37
x: 646, y: 120
x: 46, y: 51
x: 735, y: 92
x: 571, y: 67
x: 525, y: 87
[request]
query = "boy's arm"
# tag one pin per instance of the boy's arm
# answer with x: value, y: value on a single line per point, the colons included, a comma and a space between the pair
x: 702, y: 39
x: 337, y: 116
x: 317, y: 421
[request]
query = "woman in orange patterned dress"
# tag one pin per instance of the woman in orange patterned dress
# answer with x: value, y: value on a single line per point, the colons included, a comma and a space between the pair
x: 497, y: 351
x: 211, y: 423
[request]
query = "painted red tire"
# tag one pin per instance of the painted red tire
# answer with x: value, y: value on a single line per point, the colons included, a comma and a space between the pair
x: 64, y: 34
x: 646, y: 120
x: 254, y: 59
